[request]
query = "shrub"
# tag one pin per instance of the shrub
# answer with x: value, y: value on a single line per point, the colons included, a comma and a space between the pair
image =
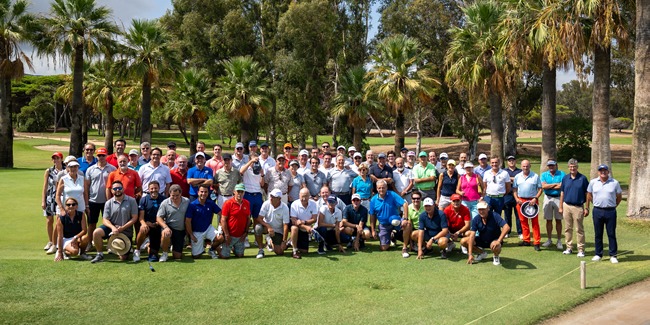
x: 573, y: 139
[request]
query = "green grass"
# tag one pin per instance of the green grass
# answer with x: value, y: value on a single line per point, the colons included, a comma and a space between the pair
x: 365, y: 287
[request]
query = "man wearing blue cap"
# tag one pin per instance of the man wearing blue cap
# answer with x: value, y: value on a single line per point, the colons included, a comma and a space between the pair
x: 329, y: 225
x: 552, y: 183
x: 606, y: 194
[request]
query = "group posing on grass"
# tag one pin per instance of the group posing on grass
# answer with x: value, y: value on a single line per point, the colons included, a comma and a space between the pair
x: 338, y: 200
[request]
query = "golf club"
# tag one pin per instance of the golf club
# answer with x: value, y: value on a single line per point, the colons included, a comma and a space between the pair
x: 151, y: 267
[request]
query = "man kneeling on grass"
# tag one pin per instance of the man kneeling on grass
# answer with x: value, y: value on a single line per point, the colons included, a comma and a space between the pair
x: 149, y: 229
x: 303, y: 216
x: 171, y: 218
x: 491, y: 228
x: 198, y: 224
x: 329, y: 226
x: 235, y: 219
x: 432, y: 229
x: 355, y: 218
x: 273, y: 220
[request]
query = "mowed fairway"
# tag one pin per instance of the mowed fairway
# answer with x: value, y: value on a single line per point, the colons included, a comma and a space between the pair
x: 364, y: 287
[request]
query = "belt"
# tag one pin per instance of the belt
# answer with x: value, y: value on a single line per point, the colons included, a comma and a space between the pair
x: 225, y: 195
x: 554, y: 196
x: 253, y: 193
x: 495, y: 196
x: 365, y: 199
x: 340, y: 193
x: 610, y: 208
x: 426, y: 189
x: 573, y: 205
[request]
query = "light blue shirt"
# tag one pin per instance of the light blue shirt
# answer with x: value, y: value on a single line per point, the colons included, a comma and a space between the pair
x: 604, y: 194
x: 364, y: 189
x: 550, y: 179
x: 527, y: 186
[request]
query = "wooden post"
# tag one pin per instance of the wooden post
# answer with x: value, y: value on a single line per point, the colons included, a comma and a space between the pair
x: 583, y: 275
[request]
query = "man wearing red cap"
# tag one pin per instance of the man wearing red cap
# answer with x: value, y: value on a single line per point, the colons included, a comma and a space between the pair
x: 458, y: 220
x: 95, y: 187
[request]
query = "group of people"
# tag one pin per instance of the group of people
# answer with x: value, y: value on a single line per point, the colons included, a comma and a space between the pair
x: 339, y: 199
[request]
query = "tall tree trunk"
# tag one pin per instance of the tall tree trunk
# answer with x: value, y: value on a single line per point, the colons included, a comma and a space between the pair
x: 549, y: 148
x: 273, y: 132
x: 496, y: 124
x: 76, y: 137
x: 399, y: 131
x: 357, y: 140
x: 110, y: 125
x: 638, y: 205
x: 85, y: 118
x: 601, y: 152
x: 245, y: 133
x: 194, y: 133
x: 418, y: 123
x: 6, y: 125
x: 511, y: 129
x: 145, y: 135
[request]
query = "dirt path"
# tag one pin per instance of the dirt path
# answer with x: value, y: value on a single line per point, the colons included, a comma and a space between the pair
x: 626, y: 305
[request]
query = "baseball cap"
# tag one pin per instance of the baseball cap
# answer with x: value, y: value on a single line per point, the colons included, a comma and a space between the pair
x: 226, y: 156
x: 603, y: 166
x: 294, y: 162
x: 455, y: 197
x: 72, y: 163
x: 422, y: 154
x: 303, y: 152
x: 444, y: 155
x: 288, y: 145
x: 331, y: 198
x: 69, y: 159
x: 199, y: 154
x: 134, y: 152
x: 552, y: 163
x: 404, y: 149
x: 240, y: 187
x: 381, y: 155
x: 340, y: 147
x: 239, y: 145
x: 451, y: 162
x: 428, y: 201
x: 356, y: 196
x: 357, y: 154
x: 411, y: 153
x: 279, y: 156
x: 481, y: 205
x: 276, y: 193
x: 482, y: 156
x: 511, y: 157
x: 102, y: 151
x: 352, y: 148
x: 264, y: 144
x: 57, y: 154
x: 252, y: 143
x: 468, y: 165
x: 171, y: 144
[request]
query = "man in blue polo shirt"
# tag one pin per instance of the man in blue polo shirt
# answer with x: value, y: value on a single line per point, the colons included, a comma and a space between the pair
x: 148, y: 210
x: 573, y: 196
x: 432, y: 229
x: 383, y: 205
x: 198, y: 223
x: 486, y: 231
x: 551, y: 183
x: 199, y: 175
x: 88, y: 159
x: 606, y: 194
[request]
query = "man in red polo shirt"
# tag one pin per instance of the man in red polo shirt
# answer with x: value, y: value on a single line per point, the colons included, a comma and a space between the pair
x: 179, y: 175
x: 458, y: 221
x: 235, y: 218
x: 129, y: 178
x: 119, y: 146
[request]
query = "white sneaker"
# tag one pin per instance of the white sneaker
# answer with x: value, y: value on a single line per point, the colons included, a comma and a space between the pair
x: 52, y: 249
x: 213, y: 254
x: 247, y: 244
x: 85, y: 257
x: 581, y: 254
x: 66, y: 257
x: 613, y: 259
x: 559, y: 245
x: 48, y: 245
x: 145, y: 244
x: 521, y: 237
x: 405, y: 254
x: 481, y: 256
x: 596, y: 258
x: 136, y: 256
x: 451, y: 247
x: 496, y: 260
x: 260, y: 253
x: 547, y: 243
x: 163, y: 258
x: 568, y: 251
x: 463, y: 249
x: 269, y: 247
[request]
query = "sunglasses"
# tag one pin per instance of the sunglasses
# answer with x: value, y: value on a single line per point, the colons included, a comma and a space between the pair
x: 326, y: 146
x: 71, y: 204
x: 239, y: 148
x: 101, y: 156
x: 117, y: 189
x: 456, y: 201
x: 145, y: 148
x: 90, y: 149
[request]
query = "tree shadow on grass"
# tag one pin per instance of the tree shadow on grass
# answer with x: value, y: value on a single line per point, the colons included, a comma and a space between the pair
x: 630, y: 257
x: 515, y: 264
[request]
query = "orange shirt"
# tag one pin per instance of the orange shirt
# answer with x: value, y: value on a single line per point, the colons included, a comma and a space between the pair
x: 130, y: 180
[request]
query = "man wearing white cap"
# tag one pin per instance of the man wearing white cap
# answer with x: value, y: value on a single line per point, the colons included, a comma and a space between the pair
x: 200, y: 147
x: 277, y: 177
x: 432, y: 229
x: 134, y: 160
x: 303, y: 162
x: 239, y: 158
x: 482, y: 165
x: 410, y: 159
x: 355, y: 220
x: 552, y: 183
x: 442, y: 166
x: 199, y: 175
x: 273, y: 220
x: 488, y: 231
x: 357, y: 158
x: 340, y: 150
x: 351, y: 151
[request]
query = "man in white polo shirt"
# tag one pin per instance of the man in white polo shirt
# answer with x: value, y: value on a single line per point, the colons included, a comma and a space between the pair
x: 497, y: 184
x: 273, y: 220
x: 303, y: 216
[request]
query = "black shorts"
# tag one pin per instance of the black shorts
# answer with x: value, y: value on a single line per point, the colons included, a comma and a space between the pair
x: 483, y: 243
x: 178, y: 240
x: 303, y: 240
x: 95, y: 209
x: 277, y: 238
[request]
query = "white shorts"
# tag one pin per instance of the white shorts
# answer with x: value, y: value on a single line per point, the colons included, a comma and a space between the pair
x: 67, y: 241
x: 198, y: 247
x: 444, y: 202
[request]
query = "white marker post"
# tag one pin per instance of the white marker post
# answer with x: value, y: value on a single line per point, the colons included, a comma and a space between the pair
x: 583, y: 275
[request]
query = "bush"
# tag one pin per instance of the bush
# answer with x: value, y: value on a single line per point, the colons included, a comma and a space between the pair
x: 37, y: 116
x: 573, y: 139
x: 620, y: 123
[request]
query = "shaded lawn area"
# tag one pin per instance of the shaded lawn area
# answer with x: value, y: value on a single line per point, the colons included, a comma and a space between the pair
x: 366, y: 287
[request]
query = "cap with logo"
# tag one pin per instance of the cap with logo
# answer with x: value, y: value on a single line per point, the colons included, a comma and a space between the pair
x: 102, y: 151
x: 444, y: 155
x: 482, y: 156
x: 428, y: 202
x: 252, y: 143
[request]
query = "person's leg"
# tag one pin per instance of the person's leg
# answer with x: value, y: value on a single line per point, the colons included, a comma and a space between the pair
x: 568, y: 215
x: 198, y: 247
x: 259, y: 232
x: 98, y: 234
x: 384, y: 237
x: 610, y: 224
x: 507, y: 210
x: 154, y: 240
x: 578, y: 219
x: 548, y: 216
x: 599, y: 224
x: 139, y: 239
x: 536, y: 232
x: 407, y: 228
x: 495, y: 246
x: 178, y: 242
x: 525, y: 230
x: 558, y: 219
x: 498, y: 205
x: 49, y: 227
x: 442, y: 243
x: 294, y: 238
x: 321, y: 243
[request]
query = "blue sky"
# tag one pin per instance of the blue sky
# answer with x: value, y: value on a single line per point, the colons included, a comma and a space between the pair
x: 124, y: 11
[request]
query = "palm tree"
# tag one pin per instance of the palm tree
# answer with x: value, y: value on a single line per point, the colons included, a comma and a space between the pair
x: 189, y: 101
x: 76, y: 29
x: 14, y: 21
x: 478, y: 62
x: 241, y: 92
x: 351, y: 101
x: 637, y: 204
x: 399, y: 76
x: 149, y: 57
x: 101, y: 91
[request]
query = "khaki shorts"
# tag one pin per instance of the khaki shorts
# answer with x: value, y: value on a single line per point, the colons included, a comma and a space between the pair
x: 552, y: 208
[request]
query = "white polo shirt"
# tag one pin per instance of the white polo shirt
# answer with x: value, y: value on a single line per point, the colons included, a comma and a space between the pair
x: 496, y: 184
x: 303, y: 213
